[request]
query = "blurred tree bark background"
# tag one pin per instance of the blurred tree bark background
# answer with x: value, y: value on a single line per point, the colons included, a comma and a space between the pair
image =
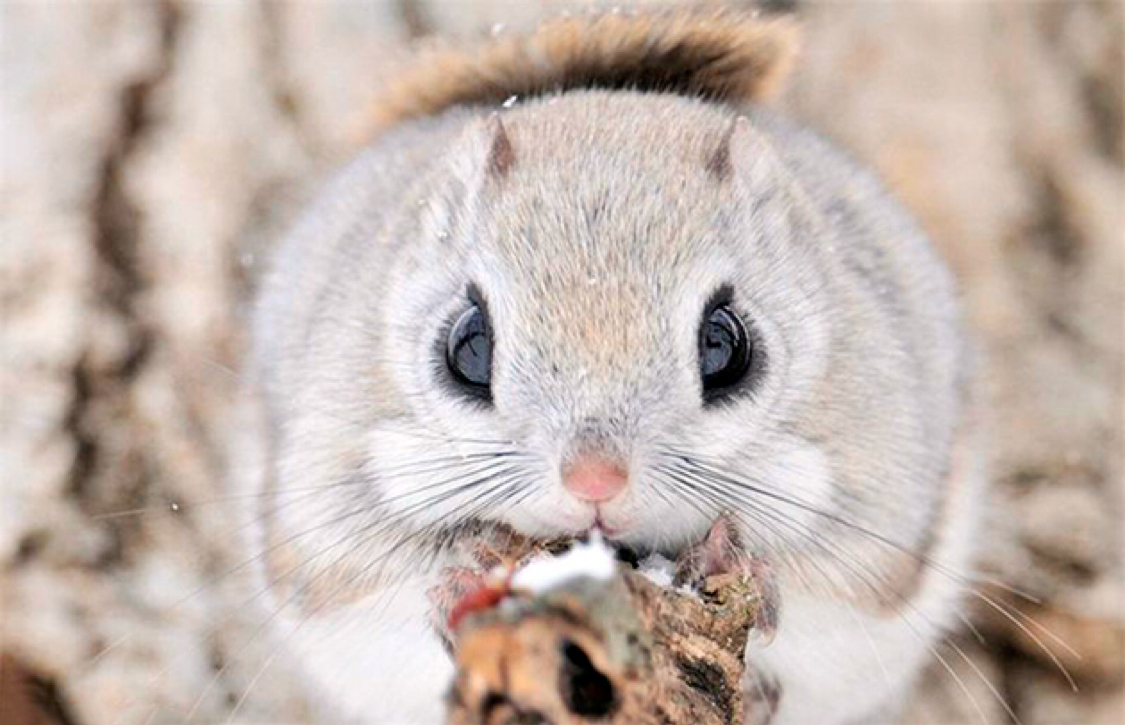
x: 151, y: 150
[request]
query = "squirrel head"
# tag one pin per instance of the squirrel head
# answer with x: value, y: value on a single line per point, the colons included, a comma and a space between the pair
x: 623, y: 299
x: 605, y: 284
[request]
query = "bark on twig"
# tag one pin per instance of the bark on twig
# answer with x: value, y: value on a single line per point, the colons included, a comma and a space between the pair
x: 624, y: 650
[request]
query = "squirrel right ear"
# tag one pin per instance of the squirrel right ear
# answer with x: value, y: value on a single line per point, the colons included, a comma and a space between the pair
x: 742, y: 152
x: 719, y: 164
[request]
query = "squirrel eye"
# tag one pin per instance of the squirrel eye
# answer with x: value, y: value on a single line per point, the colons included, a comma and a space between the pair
x: 468, y: 352
x: 724, y: 351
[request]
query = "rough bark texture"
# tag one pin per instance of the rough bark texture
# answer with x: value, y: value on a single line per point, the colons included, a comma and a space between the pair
x: 620, y: 652
x: 151, y: 149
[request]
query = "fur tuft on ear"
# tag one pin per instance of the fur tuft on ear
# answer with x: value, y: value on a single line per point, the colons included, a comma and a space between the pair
x: 719, y: 55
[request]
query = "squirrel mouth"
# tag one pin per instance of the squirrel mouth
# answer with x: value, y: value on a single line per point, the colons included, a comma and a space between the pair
x: 624, y: 541
x: 601, y: 526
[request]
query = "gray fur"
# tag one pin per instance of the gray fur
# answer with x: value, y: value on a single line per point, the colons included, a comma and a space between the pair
x: 596, y: 252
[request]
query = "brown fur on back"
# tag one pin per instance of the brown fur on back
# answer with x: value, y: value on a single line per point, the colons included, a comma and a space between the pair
x: 714, y: 54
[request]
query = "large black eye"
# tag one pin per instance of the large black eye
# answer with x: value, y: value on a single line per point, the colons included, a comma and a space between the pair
x: 724, y: 351
x: 468, y: 352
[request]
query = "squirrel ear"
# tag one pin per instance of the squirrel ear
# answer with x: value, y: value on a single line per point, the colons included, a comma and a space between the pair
x: 719, y: 164
x: 487, y: 154
x: 501, y: 156
x: 741, y: 151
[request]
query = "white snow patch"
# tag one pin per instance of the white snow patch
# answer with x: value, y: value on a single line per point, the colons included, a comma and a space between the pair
x: 658, y: 569
x: 593, y: 560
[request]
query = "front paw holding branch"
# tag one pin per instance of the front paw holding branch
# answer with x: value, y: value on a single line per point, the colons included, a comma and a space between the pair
x: 563, y: 639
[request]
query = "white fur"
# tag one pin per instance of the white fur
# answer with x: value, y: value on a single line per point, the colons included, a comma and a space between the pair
x: 376, y: 659
x: 832, y: 657
x: 596, y: 254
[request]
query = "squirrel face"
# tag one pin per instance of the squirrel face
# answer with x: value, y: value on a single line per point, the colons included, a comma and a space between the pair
x: 618, y: 319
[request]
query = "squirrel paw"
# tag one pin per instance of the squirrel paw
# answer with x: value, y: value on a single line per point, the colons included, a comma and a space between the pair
x: 721, y: 554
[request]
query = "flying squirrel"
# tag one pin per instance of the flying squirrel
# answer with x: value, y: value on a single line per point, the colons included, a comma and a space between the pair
x: 584, y: 279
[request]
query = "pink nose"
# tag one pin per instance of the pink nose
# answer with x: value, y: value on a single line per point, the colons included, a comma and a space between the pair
x: 595, y: 479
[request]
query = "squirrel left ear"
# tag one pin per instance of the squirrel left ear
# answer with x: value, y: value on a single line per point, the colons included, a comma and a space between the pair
x: 501, y: 155
x: 487, y: 155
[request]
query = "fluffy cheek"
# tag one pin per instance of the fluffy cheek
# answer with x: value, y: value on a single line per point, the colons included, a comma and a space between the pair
x: 423, y: 481
x: 792, y: 486
x: 774, y: 498
x: 319, y: 490
x: 549, y: 511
